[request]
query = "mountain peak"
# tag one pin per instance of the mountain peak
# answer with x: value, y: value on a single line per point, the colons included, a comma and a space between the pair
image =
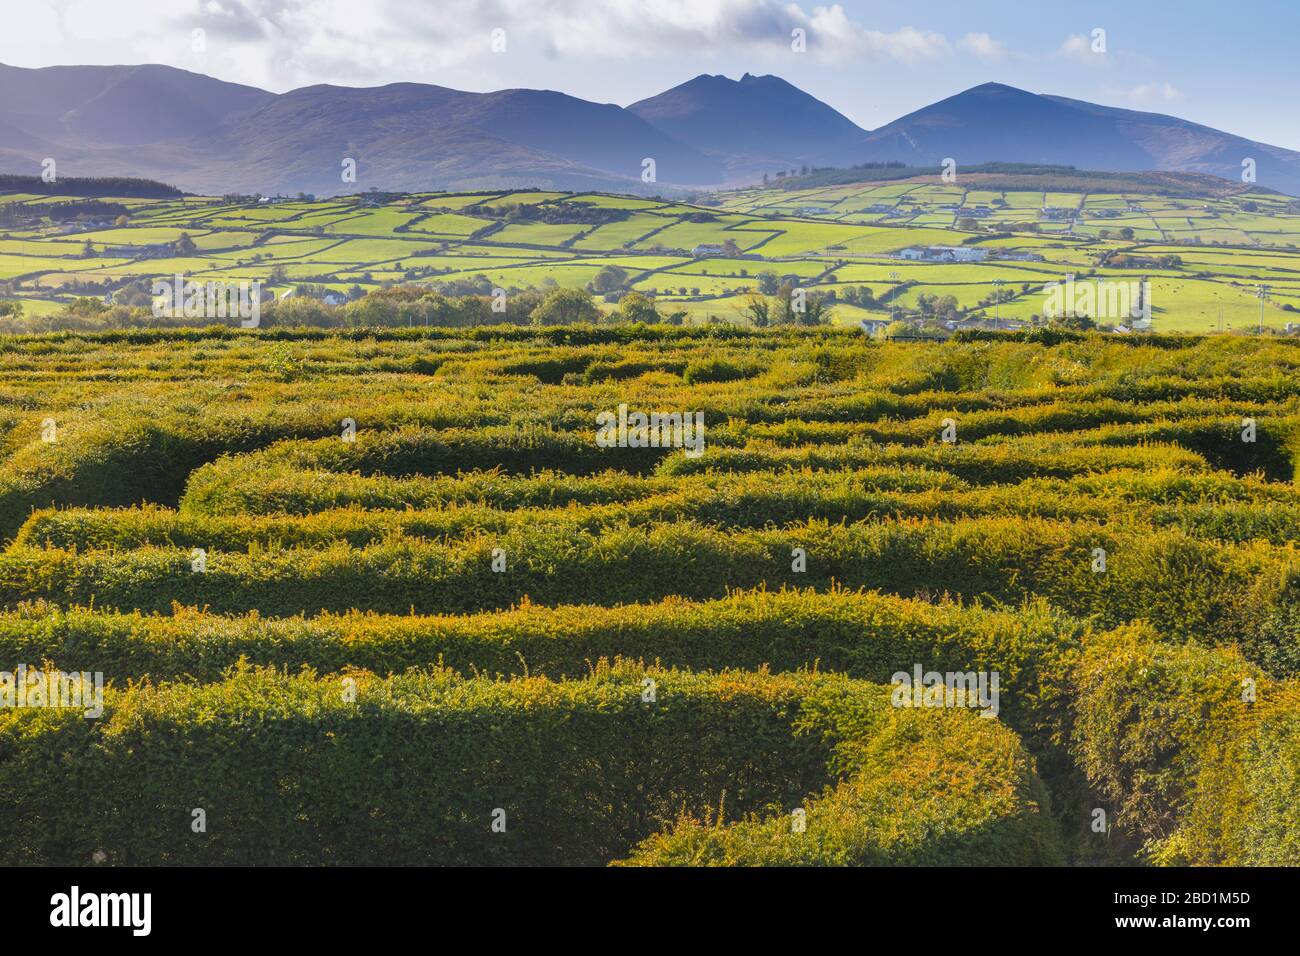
x: 994, y: 122
x: 993, y: 87
x: 707, y: 131
x: 762, y: 122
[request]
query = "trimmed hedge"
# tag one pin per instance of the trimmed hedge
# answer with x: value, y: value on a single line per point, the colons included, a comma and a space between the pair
x: 469, y: 440
x: 979, y: 464
x: 1190, y: 589
x: 447, y: 451
x: 862, y: 634
x: 236, y: 486
x: 289, y: 771
x: 1171, y: 739
x: 219, y: 491
x: 138, y: 451
x: 304, y: 511
x: 891, y: 810
x: 1198, y: 424
x: 1245, y: 800
x: 232, y: 489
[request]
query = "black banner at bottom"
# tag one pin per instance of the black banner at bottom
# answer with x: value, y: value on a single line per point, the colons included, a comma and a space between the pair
x: 335, y: 905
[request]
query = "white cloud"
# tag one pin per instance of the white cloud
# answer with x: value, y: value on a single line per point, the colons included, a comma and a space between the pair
x: 908, y: 44
x: 284, y: 43
x: 622, y: 28
x: 832, y: 35
x: 1082, y: 48
x: 1154, y: 93
x: 88, y: 19
x: 981, y: 44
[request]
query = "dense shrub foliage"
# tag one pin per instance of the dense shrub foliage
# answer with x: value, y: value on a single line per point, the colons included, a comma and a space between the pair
x: 417, y: 768
x: 1196, y: 749
x: 353, y: 593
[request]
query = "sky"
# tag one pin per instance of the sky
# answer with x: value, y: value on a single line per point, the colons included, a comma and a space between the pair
x: 1230, y: 66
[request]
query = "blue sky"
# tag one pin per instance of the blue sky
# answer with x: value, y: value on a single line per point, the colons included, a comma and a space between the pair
x: 1231, y: 66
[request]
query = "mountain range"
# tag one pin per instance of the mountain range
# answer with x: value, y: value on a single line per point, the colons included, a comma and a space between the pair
x: 210, y: 136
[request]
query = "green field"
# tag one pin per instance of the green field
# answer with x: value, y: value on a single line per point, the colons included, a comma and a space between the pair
x: 1205, y: 256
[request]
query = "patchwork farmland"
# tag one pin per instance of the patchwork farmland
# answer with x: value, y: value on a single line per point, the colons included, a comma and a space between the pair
x: 1204, y: 253
x: 394, y: 596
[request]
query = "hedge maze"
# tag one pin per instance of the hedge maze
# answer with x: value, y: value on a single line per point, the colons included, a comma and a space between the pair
x: 382, y: 597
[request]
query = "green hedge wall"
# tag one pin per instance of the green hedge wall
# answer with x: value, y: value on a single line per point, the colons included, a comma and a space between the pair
x: 965, y: 795
x: 289, y: 771
x: 1172, y: 740
x: 1189, y: 589
x: 861, y: 634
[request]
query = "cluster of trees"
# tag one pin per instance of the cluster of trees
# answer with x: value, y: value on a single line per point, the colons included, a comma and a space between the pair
x: 611, y: 283
x: 769, y: 283
x: 609, y: 279
x: 1126, y: 260
x: 407, y: 305
x: 89, y: 186
x: 789, y: 306
x: 941, y: 307
x: 577, y: 213
x: 402, y: 305
x: 83, y: 314
x: 841, y: 174
x: 15, y: 215
x: 784, y: 173
x: 1072, y: 322
x: 859, y: 295
x: 1003, y: 294
x: 927, y: 316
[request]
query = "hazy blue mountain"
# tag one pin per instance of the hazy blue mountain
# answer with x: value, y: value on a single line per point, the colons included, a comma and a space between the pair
x: 206, y: 135
x: 755, y: 124
x: 416, y: 136
x: 994, y: 122
x: 209, y: 136
x: 119, y: 105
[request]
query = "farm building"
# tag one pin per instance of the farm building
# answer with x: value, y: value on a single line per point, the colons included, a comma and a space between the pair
x: 957, y: 254
x: 944, y: 254
x: 707, y: 249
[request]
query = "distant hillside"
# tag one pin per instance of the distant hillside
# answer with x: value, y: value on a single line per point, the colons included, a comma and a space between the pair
x: 413, y: 136
x: 209, y: 136
x: 1027, y: 176
x: 119, y: 105
x: 995, y: 122
x: 756, y: 124
x: 218, y: 137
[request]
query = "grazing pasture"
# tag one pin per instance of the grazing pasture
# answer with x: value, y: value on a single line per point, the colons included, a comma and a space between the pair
x: 1206, y: 256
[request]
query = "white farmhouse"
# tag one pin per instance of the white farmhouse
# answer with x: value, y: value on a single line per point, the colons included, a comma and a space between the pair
x: 958, y: 253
